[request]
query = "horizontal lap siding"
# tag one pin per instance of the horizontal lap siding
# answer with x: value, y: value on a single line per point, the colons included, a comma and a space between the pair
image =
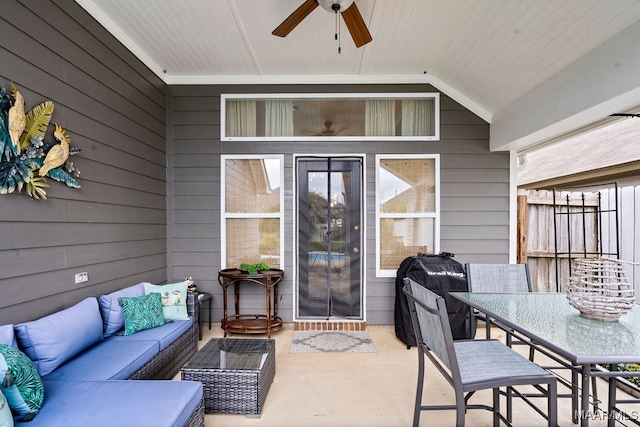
x: 115, y: 226
x: 193, y: 159
x: 474, y: 184
x: 114, y: 110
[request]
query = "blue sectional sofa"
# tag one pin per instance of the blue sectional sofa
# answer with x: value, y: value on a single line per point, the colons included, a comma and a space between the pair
x: 88, y: 366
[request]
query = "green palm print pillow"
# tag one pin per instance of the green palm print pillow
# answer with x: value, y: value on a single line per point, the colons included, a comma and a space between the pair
x: 21, y: 383
x: 140, y: 313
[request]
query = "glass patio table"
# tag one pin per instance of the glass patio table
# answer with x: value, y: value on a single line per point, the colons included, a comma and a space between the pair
x: 547, y: 321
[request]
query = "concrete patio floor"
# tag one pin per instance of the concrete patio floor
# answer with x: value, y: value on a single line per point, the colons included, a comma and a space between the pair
x: 364, y: 389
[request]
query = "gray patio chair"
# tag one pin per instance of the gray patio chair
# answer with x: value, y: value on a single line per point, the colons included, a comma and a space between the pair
x: 471, y: 365
x: 493, y: 278
x: 490, y: 278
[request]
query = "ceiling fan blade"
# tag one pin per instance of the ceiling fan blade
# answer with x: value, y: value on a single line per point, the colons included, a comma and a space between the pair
x: 295, y: 18
x: 624, y: 115
x: 357, y: 27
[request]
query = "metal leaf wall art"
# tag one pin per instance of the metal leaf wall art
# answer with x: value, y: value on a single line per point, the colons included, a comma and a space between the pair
x: 26, y: 159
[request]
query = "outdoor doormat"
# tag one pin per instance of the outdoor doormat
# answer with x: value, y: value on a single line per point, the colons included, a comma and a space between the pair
x: 332, y: 342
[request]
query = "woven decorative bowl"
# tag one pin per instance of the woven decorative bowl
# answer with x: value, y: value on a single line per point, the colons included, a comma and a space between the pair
x: 599, y: 289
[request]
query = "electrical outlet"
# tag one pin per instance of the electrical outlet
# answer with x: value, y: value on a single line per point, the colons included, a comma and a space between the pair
x: 81, y: 277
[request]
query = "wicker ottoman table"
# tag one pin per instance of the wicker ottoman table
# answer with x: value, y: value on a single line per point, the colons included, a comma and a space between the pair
x: 235, y: 373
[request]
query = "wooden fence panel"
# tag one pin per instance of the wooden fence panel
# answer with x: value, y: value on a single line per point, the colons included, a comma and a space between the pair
x: 628, y: 217
x: 539, y: 239
x: 571, y: 231
x: 576, y: 230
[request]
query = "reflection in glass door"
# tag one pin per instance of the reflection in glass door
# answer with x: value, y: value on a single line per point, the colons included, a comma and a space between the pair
x: 329, y: 238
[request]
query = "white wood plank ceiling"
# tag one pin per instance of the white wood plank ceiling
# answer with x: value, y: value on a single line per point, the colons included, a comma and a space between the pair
x: 488, y: 52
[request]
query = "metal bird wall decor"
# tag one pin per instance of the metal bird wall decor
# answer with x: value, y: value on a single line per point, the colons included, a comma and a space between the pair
x: 17, y: 118
x: 26, y: 159
x: 58, y: 154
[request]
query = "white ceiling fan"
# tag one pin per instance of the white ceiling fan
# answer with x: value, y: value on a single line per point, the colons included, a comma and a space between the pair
x: 328, y: 130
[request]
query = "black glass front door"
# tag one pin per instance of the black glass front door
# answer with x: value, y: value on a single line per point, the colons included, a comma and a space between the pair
x: 329, y: 238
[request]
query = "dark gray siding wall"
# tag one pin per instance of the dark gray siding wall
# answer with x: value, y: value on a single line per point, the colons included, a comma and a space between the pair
x: 114, y: 110
x: 474, y: 186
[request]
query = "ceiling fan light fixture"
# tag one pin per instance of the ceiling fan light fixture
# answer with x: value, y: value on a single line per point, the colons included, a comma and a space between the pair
x: 340, y: 5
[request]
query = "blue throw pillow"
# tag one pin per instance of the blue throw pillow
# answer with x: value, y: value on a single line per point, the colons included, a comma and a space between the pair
x: 21, y: 384
x: 141, y: 313
x: 6, y: 418
x: 7, y: 336
x: 112, y: 316
x: 174, y: 299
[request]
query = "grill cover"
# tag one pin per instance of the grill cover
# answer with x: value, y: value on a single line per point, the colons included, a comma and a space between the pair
x: 440, y: 274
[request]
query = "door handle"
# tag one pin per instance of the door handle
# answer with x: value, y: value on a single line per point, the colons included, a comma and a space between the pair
x: 355, y: 250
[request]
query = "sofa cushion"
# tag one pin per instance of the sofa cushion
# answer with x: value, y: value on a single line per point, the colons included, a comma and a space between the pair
x: 6, y: 418
x: 164, y: 335
x: 111, y: 310
x: 141, y: 313
x: 108, y: 360
x: 21, y: 383
x: 142, y: 403
x: 52, y: 340
x: 174, y: 299
x: 7, y: 336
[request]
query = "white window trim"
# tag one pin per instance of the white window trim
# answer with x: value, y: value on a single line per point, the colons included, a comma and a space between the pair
x: 379, y: 215
x: 223, y: 122
x: 224, y: 215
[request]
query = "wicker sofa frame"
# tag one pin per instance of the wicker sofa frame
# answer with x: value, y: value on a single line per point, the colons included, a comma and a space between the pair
x: 168, y: 362
x: 197, y: 417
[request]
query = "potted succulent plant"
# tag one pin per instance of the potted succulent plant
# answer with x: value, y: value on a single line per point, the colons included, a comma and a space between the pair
x: 256, y: 268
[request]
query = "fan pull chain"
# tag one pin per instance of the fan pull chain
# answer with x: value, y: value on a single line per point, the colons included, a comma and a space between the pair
x: 338, y: 35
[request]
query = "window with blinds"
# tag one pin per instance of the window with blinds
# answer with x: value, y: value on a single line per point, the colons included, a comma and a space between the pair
x: 252, y: 206
x: 407, y: 208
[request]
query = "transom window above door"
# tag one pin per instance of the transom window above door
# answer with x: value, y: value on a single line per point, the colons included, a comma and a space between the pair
x: 300, y: 117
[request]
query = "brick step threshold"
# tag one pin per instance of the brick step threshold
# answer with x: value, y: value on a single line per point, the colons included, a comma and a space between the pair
x: 330, y: 326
